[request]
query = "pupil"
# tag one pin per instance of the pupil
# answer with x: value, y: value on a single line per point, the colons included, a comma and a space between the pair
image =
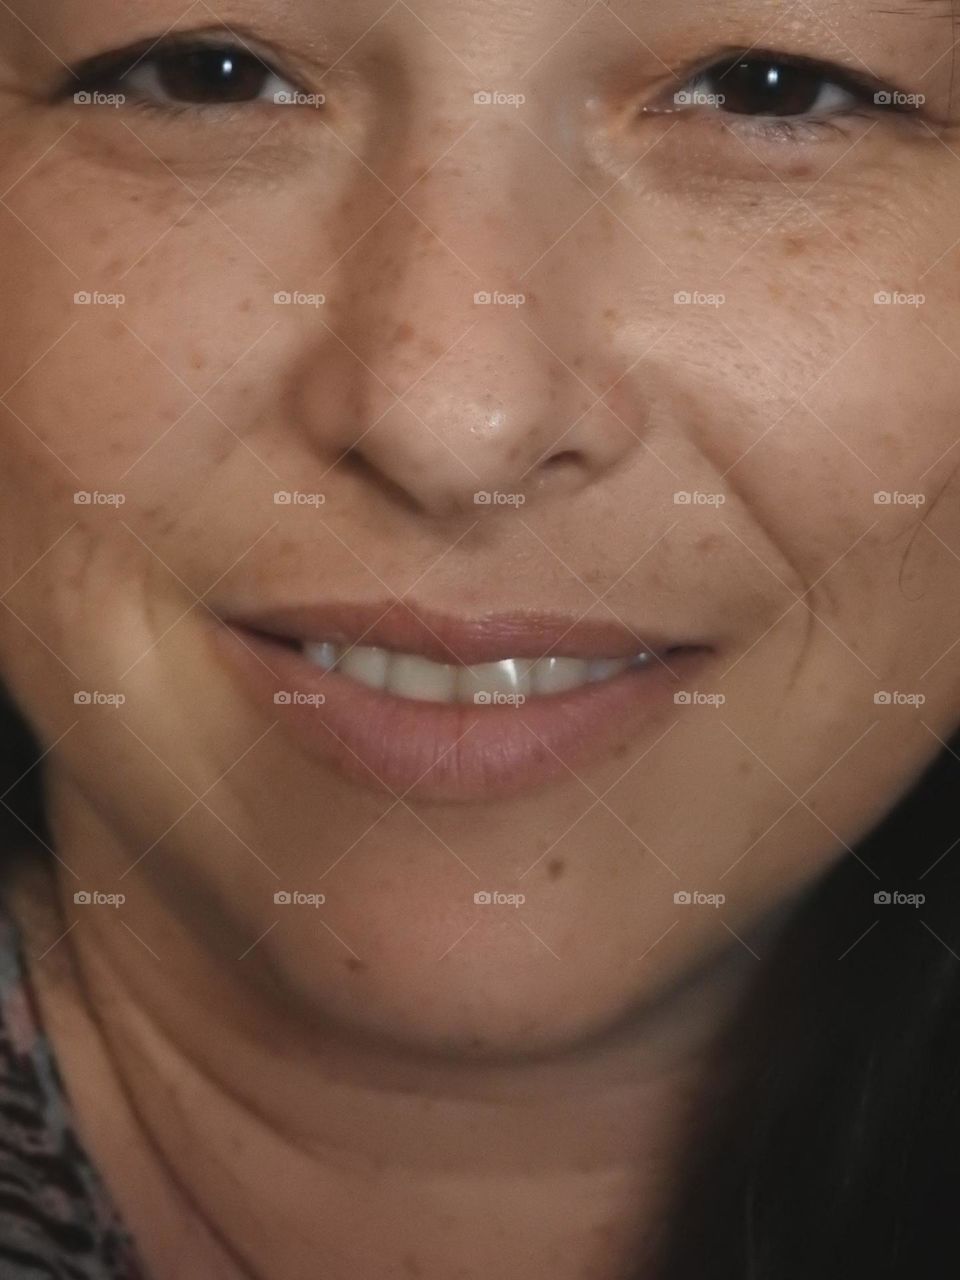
x: 211, y: 75
x: 767, y: 88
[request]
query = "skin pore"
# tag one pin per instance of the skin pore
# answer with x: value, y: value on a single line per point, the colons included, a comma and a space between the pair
x: 403, y: 1081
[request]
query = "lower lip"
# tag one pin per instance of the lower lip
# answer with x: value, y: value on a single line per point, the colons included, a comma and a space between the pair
x: 450, y: 752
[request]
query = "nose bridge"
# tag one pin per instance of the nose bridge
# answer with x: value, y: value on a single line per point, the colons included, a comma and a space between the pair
x: 447, y: 377
x: 446, y: 271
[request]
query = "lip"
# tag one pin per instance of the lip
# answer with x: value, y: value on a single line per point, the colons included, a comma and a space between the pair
x: 452, y: 752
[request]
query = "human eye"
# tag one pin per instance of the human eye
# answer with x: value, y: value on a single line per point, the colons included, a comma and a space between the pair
x: 184, y: 72
x: 785, y: 97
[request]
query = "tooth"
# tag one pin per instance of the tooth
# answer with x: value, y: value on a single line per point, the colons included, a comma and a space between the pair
x: 556, y: 675
x: 511, y: 676
x: 604, y: 668
x: 411, y: 677
x: 322, y: 655
x: 366, y: 664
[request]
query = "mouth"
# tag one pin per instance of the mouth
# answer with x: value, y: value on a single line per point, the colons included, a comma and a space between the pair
x: 418, y: 679
x: 409, y: 701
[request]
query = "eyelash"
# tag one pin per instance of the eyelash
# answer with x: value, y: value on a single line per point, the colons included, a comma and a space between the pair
x: 862, y: 90
x: 107, y: 72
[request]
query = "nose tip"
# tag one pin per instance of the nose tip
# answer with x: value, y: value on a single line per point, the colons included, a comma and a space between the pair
x: 493, y: 412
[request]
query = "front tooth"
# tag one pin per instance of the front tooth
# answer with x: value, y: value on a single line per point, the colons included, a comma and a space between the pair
x: 557, y: 675
x: 368, y: 665
x: 322, y: 655
x: 511, y: 676
x: 410, y: 677
x: 605, y: 668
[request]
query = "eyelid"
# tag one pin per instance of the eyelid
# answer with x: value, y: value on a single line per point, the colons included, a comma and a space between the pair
x: 119, y: 63
x: 861, y: 84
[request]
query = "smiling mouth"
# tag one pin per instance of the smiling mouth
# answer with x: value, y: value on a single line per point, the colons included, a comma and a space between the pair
x: 416, y: 678
x: 454, y: 709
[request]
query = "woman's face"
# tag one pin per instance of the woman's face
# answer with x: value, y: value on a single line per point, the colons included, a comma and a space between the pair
x: 683, y: 399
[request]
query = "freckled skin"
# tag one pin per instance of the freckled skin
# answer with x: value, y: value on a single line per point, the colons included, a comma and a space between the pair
x: 601, y: 399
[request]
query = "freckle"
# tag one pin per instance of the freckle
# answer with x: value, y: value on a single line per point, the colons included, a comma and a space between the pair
x: 404, y: 332
x: 620, y: 751
x: 578, y: 362
x: 794, y: 246
x: 556, y: 868
x: 245, y: 305
x: 745, y: 768
x: 411, y: 1267
x: 612, y: 315
x: 197, y: 361
x: 355, y: 965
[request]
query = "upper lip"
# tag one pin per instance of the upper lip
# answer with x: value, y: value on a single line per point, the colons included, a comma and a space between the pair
x: 440, y: 637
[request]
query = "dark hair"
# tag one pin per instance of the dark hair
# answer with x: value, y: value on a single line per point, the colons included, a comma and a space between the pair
x: 827, y: 1146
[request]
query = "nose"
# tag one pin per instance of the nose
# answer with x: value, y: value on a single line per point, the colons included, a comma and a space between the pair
x: 448, y: 369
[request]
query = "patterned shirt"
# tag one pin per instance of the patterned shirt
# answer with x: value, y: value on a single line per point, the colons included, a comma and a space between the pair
x: 57, y: 1220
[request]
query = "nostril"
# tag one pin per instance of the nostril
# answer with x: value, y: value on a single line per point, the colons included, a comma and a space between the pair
x: 568, y: 458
